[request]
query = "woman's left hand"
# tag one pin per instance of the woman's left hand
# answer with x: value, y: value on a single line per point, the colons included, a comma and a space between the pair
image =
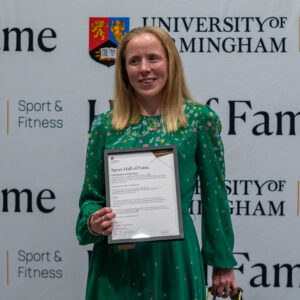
x: 223, y: 283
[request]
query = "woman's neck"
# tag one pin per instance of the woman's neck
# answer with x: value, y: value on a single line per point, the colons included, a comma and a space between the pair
x: 149, y: 107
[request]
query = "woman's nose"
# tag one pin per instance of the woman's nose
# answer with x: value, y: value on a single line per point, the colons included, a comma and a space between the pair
x: 144, y: 67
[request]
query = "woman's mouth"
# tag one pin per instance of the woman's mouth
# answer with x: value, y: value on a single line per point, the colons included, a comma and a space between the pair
x: 146, y: 81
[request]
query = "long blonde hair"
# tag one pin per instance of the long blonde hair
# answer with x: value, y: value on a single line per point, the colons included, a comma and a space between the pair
x: 125, y: 107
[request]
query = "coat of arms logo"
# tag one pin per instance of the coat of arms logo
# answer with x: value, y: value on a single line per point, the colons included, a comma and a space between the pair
x: 104, y: 36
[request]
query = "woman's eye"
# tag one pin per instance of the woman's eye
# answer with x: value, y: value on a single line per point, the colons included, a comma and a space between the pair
x: 153, y: 58
x: 133, y: 62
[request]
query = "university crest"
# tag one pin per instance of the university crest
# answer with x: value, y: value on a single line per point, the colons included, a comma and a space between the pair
x: 104, y: 36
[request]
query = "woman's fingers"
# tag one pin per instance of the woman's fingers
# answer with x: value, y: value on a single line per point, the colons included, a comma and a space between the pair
x: 101, y: 221
x: 223, y: 289
x: 234, y: 289
x: 106, y: 224
x: 227, y: 291
x: 108, y: 230
x: 109, y: 216
x: 223, y: 283
x: 102, y: 212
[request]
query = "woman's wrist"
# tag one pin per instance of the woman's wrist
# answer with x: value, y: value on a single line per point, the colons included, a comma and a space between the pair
x: 89, y: 227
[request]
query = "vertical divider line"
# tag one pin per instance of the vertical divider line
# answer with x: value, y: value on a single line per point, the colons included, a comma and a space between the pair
x: 298, y: 199
x: 7, y: 117
x: 7, y: 267
x: 299, y: 35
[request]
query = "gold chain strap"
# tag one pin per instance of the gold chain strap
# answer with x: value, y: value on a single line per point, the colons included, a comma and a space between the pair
x: 238, y: 296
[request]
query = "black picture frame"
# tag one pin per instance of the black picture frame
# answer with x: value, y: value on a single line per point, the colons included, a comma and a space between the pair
x: 108, y: 153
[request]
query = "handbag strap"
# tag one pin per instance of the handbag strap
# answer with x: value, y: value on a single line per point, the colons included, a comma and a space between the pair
x: 238, y: 296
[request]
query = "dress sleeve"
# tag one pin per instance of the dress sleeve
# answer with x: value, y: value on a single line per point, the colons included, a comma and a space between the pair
x: 217, y: 233
x: 92, y: 197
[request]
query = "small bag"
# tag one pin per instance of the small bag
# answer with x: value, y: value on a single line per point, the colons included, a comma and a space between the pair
x: 238, y: 296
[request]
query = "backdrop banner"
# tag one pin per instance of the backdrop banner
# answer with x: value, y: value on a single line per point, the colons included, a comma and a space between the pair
x: 57, y: 72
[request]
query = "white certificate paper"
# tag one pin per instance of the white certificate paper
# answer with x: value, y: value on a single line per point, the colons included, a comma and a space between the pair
x: 142, y: 188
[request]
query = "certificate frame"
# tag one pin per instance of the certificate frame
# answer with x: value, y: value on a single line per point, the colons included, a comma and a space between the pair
x: 158, y: 151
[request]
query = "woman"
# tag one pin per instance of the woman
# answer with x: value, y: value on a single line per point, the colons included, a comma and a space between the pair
x: 150, y: 110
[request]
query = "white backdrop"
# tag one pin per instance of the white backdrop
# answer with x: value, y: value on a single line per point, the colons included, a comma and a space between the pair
x: 251, y: 76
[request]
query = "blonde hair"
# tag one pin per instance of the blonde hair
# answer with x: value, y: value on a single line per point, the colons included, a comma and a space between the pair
x: 125, y: 107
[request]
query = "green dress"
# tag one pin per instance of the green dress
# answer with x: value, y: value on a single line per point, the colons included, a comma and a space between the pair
x: 160, y: 270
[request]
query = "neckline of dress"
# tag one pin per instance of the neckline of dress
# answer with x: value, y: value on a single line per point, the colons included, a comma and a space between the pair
x: 149, y: 117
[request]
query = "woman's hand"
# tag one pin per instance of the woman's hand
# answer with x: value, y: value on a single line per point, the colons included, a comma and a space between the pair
x: 101, y: 221
x: 223, y: 283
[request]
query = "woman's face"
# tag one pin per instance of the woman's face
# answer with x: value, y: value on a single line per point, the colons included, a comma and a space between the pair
x: 147, y: 66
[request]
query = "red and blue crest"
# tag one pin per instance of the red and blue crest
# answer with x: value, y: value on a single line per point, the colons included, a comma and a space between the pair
x: 104, y: 37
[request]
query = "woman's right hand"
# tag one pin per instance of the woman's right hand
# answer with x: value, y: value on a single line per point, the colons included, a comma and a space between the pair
x: 101, y: 221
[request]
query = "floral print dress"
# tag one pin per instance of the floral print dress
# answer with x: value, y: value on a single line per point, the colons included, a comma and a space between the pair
x: 160, y: 270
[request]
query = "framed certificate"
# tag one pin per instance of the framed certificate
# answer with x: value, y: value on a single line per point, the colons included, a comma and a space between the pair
x: 142, y: 188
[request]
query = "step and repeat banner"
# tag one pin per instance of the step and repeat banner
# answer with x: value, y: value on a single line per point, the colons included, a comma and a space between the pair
x: 56, y: 72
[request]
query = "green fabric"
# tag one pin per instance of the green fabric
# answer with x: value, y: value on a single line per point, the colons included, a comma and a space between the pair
x: 160, y: 270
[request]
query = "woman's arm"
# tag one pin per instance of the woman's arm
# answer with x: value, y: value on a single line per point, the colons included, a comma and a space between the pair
x: 92, y: 198
x: 217, y: 233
